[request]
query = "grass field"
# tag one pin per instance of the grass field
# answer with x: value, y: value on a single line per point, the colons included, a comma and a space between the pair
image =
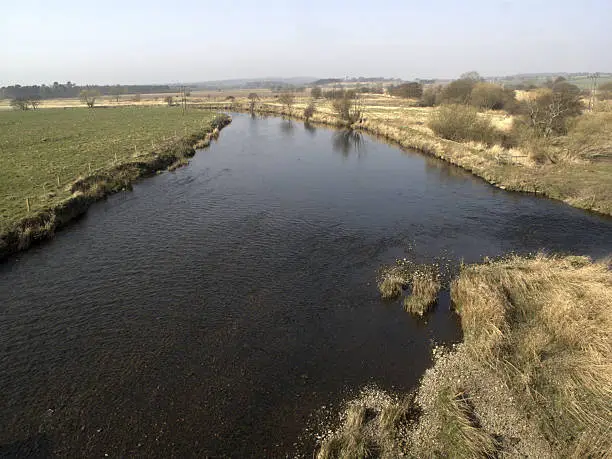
x: 43, y: 152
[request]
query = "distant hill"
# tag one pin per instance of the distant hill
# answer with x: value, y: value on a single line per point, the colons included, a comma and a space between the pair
x: 253, y: 83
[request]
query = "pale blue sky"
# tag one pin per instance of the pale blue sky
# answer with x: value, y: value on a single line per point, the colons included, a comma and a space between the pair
x: 193, y: 40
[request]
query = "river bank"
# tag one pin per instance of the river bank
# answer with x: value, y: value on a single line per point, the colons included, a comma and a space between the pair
x: 37, y: 218
x: 580, y: 184
x: 529, y: 380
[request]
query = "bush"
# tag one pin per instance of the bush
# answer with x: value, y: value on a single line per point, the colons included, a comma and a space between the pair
x: 430, y: 97
x: 462, y: 123
x: 411, y: 90
x: 590, y: 137
x: 490, y: 96
x: 458, y: 91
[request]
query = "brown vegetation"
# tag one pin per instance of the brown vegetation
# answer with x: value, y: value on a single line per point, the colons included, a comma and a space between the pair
x: 531, y: 379
x: 545, y: 325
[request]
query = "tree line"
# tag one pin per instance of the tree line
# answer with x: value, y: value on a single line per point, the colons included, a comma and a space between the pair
x: 69, y: 90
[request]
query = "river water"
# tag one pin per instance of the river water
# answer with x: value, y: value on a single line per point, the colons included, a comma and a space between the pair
x: 212, y: 310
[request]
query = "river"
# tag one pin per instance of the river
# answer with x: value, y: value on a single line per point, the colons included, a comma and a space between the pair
x: 212, y: 310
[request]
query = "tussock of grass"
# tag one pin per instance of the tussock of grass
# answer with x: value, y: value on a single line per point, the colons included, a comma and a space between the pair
x: 368, y: 428
x: 545, y: 324
x: 460, y: 431
x: 425, y: 288
x: 423, y: 280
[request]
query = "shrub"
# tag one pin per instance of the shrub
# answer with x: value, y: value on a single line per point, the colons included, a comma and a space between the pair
x: 461, y: 123
x: 590, y: 137
x: 430, y: 97
x: 411, y: 90
x: 458, y: 91
x: 490, y: 96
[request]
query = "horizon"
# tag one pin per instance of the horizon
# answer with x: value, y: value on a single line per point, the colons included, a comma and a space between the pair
x: 176, y: 43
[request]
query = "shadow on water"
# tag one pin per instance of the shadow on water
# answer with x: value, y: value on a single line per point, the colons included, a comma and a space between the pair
x: 347, y: 141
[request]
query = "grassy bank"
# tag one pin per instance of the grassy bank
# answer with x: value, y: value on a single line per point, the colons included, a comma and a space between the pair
x: 531, y: 379
x: 55, y: 162
x: 581, y: 183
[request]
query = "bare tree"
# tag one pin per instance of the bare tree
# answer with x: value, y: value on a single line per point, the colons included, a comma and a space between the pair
x: 287, y: 99
x: 547, y: 114
x: 34, y: 102
x: 309, y: 110
x: 88, y: 96
x: 316, y: 92
x: 169, y: 100
x: 253, y: 98
x: 349, y: 108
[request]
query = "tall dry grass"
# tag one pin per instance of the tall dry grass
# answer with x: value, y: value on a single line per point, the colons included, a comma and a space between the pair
x: 422, y: 280
x: 368, y: 428
x: 425, y: 288
x: 545, y: 324
x: 460, y: 431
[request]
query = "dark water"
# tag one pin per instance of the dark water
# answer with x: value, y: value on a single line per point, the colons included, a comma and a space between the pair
x: 213, y: 309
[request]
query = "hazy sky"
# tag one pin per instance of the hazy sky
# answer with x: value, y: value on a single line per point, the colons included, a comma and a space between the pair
x: 137, y: 41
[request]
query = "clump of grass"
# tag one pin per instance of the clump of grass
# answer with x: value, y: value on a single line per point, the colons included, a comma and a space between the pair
x: 461, y: 433
x: 545, y: 325
x: 424, y: 281
x: 370, y: 427
x: 425, y: 288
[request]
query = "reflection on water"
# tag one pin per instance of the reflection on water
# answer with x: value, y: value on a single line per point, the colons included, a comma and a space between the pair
x: 347, y: 141
x: 287, y: 126
x: 309, y: 128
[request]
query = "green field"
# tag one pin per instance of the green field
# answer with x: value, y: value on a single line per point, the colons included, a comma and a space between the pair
x: 38, y: 148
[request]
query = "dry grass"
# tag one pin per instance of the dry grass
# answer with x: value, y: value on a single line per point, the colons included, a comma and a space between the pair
x: 369, y: 427
x: 425, y: 288
x: 423, y: 280
x: 461, y: 433
x: 545, y: 324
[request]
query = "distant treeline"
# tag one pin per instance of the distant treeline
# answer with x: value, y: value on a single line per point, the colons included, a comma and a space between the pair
x: 326, y: 81
x: 69, y: 89
x: 259, y: 84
